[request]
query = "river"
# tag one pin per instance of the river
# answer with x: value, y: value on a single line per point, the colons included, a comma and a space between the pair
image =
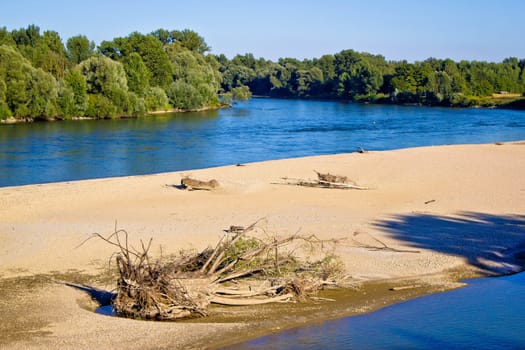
x: 254, y: 130
x: 487, y: 314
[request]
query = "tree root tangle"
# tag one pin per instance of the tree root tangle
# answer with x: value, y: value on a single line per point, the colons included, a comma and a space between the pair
x: 244, y: 268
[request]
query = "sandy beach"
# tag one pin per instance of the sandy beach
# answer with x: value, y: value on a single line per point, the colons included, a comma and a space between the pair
x: 443, y: 212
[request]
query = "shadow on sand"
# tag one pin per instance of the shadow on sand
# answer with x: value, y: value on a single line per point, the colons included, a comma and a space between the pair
x: 493, y: 243
x: 103, y: 297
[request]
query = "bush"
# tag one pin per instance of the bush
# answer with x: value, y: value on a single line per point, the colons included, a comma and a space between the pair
x: 136, y: 106
x: 100, y: 107
x: 241, y: 93
x: 185, y: 96
x: 155, y: 99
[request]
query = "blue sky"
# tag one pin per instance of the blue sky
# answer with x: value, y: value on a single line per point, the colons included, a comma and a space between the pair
x: 403, y: 29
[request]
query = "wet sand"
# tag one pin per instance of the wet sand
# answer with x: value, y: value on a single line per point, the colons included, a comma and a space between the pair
x: 432, y: 215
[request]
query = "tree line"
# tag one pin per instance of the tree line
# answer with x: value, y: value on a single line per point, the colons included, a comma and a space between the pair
x: 355, y: 76
x: 43, y: 78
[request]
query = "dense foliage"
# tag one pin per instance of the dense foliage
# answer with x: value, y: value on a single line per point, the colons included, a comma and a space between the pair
x: 355, y: 76
x: 41, y: 78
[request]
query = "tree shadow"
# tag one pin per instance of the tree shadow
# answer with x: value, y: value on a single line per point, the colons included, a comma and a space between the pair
x: 102, y: 297
x: 493, y: 243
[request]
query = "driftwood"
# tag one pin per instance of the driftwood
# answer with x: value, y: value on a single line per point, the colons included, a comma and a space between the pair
x: 184, y: 286
x: 325, y: 181
x: 193, y: 184
x: 331, y: 178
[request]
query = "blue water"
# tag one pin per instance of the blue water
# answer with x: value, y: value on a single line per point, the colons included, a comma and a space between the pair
x: 255, y: 130
x: 487, y: 314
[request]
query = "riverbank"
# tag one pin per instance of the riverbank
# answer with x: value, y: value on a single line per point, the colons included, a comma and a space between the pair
x: 432, y: 215
x: 13, y: 120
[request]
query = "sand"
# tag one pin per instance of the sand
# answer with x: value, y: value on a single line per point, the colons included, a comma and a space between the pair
x: 436, y: 209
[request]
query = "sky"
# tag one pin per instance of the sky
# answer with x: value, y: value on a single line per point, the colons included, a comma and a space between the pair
x: 413, y: 30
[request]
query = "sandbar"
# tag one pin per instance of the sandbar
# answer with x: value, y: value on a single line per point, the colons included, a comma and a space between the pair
x: 431, y: 216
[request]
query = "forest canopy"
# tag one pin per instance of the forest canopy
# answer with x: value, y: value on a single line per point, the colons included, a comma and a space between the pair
x: 43, y: 78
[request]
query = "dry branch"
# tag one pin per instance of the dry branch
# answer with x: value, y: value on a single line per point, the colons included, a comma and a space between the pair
x: 186, y: 285
x: 331, y: 178
x: 325, y: 181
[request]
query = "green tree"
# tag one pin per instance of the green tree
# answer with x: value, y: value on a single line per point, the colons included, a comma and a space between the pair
x: 155, y: 99
x: 50, y: 55
x: 42, y: 95
x: 5, y: 112
x: 241, y: 93
x: 137, y: 73
x: 15, y: 74
x: 29, y: 36
x: 185, y: 96
x: 308, y: 81
x: 79, y: 49
x: 103, y: 75
x: 150, y: 50
x: 195, y: 78
x: 190, y: 40
x: 76, y: 83
x: 43, y: 51
x: 236, y: 75
x: 107, y: 87
x: 5, y: 37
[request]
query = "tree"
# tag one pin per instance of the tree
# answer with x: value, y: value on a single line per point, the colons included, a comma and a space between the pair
x: 194, y: 78
x: 50, y: 55
x: 42, y: 96
x: 236, y: 75
x: 307, y: 81
x: 103, y: 74
x: 5, y: 37
x: 5, y: 112
x: 241, y: 93
x: 107, y: 85
x: 155, y: 99
x: 76, y: 83
x: 15, y: 74
x: 29, y: 36
x: 43, y: 51
x: 190, y: 40
x: 150, y: 50
x: 137, y: 73
x: 79, y: 49
x: 185, y: 96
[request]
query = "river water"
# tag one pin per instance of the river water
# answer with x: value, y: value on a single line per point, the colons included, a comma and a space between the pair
x: 255, y: 130
x: 487, y: 314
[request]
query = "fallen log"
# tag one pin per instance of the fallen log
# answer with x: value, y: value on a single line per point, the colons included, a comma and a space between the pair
x: 193, y: 184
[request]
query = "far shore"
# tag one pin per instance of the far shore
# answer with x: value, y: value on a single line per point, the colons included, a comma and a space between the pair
x: 445, y: 213
x: 12, y: 120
